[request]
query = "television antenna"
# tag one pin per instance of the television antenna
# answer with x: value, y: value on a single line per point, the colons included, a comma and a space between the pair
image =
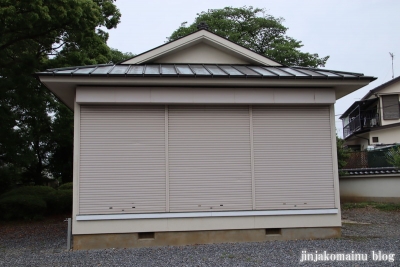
x: 392, y: 56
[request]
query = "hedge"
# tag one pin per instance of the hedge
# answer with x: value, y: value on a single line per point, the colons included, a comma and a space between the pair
x: 32, y: 202
x: 25, y: 207
x: 38, y: 191
x: 59, y: 201
x: 66, y: 186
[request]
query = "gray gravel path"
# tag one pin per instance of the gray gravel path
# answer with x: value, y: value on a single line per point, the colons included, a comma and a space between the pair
x: 43, y: 244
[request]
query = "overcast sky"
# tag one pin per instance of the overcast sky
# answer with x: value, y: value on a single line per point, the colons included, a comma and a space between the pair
x: 357, y: 34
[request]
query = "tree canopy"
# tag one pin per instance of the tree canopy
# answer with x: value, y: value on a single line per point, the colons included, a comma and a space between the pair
x: 256, y: 30
x: 37, y: 130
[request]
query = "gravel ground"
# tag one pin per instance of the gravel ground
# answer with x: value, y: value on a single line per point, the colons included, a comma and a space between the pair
x: 43, y: 244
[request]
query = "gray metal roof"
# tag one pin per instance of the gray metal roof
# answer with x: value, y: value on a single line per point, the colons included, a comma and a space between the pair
x: 203, y: 70
x: 372, y: 171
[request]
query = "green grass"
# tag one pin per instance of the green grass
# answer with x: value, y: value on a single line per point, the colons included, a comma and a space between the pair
x: 376, y: 205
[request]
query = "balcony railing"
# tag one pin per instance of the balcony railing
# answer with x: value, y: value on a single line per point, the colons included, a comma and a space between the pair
x: 360, y: 122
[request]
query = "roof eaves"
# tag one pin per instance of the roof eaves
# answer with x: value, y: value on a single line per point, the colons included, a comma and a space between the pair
x: 333, y: 71
x: 380, y: 87
x: 351, y: 108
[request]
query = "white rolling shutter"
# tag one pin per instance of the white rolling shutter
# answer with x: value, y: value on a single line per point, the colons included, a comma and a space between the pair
x: 293, y: 158
x: 209, y: 158
x: 122, y: 159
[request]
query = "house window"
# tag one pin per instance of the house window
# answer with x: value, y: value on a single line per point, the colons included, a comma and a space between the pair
x: 390, y: 105
x: 375, y: 139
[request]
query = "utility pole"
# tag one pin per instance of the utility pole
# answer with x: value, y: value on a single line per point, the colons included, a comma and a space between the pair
x: 392, y: 56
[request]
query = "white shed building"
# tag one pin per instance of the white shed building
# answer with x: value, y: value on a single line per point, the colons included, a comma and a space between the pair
x: 201, y: 140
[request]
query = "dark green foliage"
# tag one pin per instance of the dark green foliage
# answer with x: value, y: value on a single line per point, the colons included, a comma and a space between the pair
x: 59, y: 202
x: 61, y: 159
x: 55, y: 201
x: 66, y: 186
x: 393, y: 156
x: 36, y: 28
x: 37, y: 191
x: 343, y: 153
x: 8, y: 177
x: 118, y: 56
x: 256, y: 30
x: 36, y: 130
x: 21, y: 206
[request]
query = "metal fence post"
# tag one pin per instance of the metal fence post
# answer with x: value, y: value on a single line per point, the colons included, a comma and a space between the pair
x: 69, y: 234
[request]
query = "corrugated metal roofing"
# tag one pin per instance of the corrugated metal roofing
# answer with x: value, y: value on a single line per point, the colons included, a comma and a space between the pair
x: 203, y: 70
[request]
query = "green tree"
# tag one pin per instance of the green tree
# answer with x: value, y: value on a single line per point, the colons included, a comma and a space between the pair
x: 118, y: 56
x: 256, y: 30
x: 343, y: 153
x: 36, y: 136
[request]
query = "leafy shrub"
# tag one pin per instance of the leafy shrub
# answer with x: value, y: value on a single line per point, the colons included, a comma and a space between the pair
x: 393, y: 156
x: 59, y: 202
x: 343, y: 153
x: 22, y: 207
x: 31, y: 202
x: 66, y: 186
x: 38, y: 191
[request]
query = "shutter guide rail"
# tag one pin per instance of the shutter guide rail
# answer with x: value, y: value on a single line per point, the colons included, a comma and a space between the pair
x: 253, y: 184
x: 166, y: 162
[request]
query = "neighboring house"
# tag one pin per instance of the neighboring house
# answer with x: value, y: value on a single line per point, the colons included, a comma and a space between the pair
x: 375, y: 119
x: 372, y: 123
x: 201, y: 140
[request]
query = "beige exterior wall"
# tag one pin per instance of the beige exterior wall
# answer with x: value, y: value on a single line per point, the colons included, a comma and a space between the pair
x: 370, y: 187
x: 391, y: 89
x: 354, y: 140
x: 202, y: 224
x: 159, y: 95
x: 386, y: 136
x: 204, y: 38
x: 201, y: 54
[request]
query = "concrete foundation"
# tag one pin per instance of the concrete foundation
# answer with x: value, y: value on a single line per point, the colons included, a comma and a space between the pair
x: 129, y: 240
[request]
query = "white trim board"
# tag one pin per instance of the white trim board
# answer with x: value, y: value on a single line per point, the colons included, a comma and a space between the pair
x: 177, y: 95
x: 204, y: 214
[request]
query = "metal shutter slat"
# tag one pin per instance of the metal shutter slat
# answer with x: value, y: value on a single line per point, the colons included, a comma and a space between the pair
x: 209, y: 158
x: 122, y: 161
x: 292, y: 158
